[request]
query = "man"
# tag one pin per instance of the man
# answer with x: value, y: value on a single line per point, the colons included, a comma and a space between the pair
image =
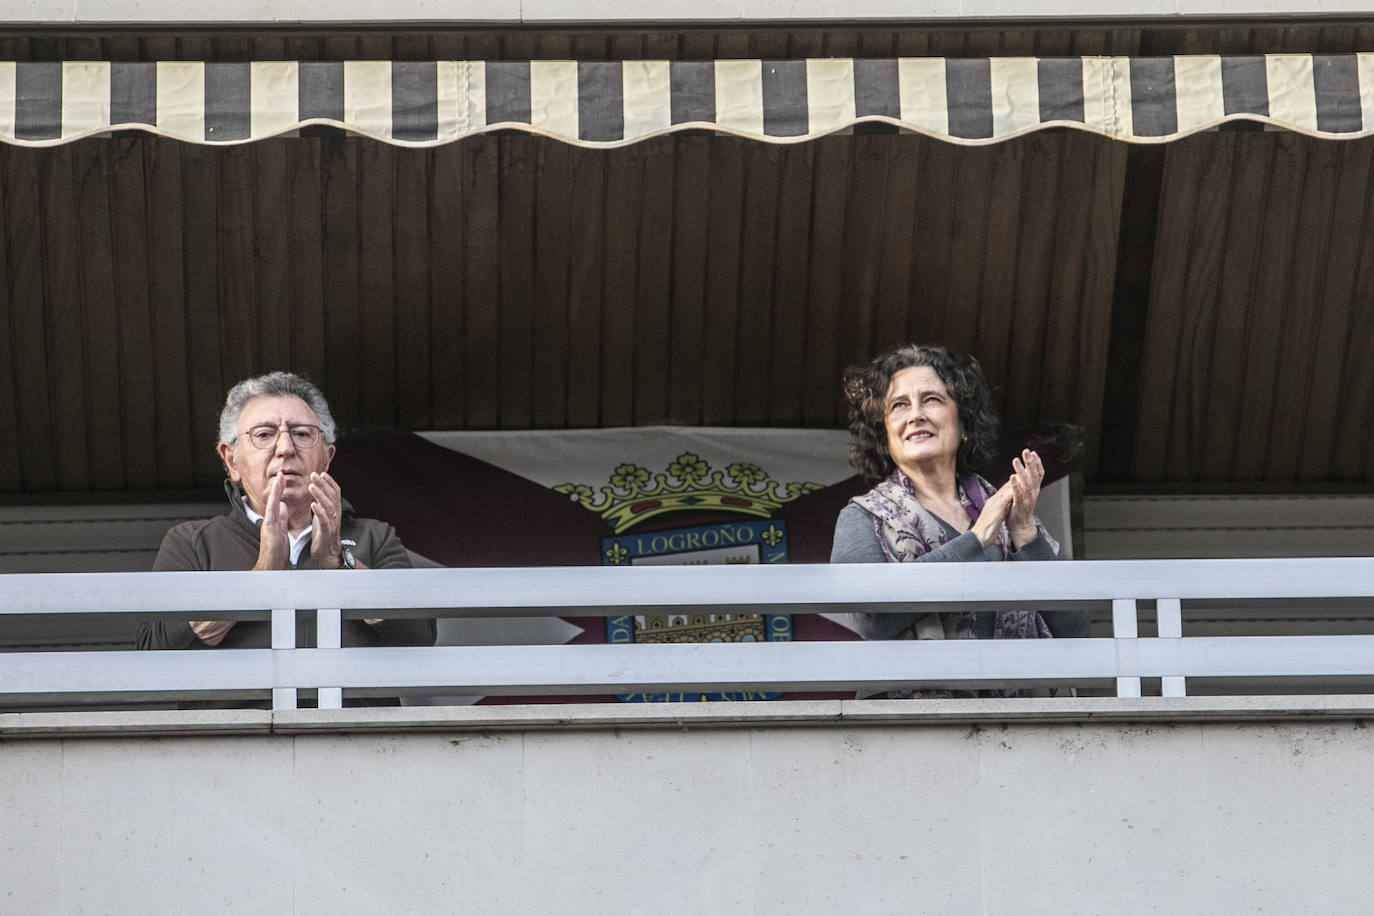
x: 285, y: 512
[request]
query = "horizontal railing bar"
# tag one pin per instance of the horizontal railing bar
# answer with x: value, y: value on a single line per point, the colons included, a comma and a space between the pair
x: 683, y: 667
x: 599, y: 590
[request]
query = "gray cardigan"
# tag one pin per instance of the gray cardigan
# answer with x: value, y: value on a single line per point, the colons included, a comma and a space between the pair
x: 856, y: 541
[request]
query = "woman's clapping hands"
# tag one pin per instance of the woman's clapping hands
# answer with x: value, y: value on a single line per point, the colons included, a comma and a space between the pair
x: 1028, y: 472
x: 1013, y: 503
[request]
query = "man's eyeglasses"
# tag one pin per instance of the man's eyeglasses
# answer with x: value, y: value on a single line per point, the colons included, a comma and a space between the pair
x: 303, y: 436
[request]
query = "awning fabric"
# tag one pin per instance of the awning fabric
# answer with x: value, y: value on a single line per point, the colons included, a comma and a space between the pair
x: 605, y: 104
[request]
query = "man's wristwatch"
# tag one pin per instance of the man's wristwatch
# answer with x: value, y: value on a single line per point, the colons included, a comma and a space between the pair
x: 346, y: 559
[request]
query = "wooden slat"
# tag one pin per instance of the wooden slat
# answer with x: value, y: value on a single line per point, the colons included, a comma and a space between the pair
x: 121, y: 47
x: 377, y: 358
x: 518, y: 257
x: 931, y: 255
x: 896, y: 302
x: 99, y: 311
x: 448, y: 287
x: 665, y: 42
x: 11, y: 477
x: 983, y: 43
x: 588, y: 239
x: 195, y: 45
x: 413, y: 48
x: 245, y: 336
x: 303, y: 47
x: 758, y: 256
x: 661, y: 46
x: 973, y: 212
x: 653, y: 304
x: 828, y: 301
x: 1099, y: 280
x: 1036, y: 249
x: 1354, y: 446
x: 726, y: 203
x: 1064, y: 321
x: 271, y: 261
x: 482, y: 46
x: 411, y: 239
x: 912, y: 44
x: 450, y: 46
x: 996, y: 291
x: 481, y: 289
x: 16, y: 47
x: 1333, y: 394
x: 624, y: 176
x: 1312, y: 245
x: 305, y: 243
x: 1051, y: 43
x: 1199, y: 291
x: 1252, y: 162
x: 268, y: 47
x: 337, y: 46
x: 863, y: 249
x: 787, y: 347
x: 769, y: 45
x: 870, y: 44
x: 203, y: 344
x: 1168, y: 291
x: 552, y: 267
x: 558, y: 46
x: 230, y: 47
x: 177, y: 436
x: 342, y: 330
x: 80, y: 47
x: 65, y: 321
x: 686, y: 336
x: 1269, y: 305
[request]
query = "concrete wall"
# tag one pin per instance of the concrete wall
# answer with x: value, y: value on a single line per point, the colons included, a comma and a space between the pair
x: 1020, y: 806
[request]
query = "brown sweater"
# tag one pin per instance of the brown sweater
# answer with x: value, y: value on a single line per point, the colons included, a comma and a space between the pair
x: 230, y: 542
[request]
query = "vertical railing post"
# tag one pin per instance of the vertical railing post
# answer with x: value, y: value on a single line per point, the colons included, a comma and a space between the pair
x: 328, y: 635
x: 1125, y: 626
x: 1169, y: 617
x: 283, y: 637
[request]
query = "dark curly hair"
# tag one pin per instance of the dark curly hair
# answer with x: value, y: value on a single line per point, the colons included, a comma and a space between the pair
x: 865, y: 388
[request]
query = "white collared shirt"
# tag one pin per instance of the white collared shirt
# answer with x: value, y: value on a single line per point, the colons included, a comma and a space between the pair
x: 298, y: 540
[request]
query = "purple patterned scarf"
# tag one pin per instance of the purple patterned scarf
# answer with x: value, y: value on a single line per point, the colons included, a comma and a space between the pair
x: 907, y: 531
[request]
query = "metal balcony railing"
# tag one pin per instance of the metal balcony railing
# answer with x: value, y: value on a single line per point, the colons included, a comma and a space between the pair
x: 67, y: 677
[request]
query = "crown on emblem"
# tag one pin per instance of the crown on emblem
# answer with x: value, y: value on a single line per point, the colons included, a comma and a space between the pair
x: 635, y: 494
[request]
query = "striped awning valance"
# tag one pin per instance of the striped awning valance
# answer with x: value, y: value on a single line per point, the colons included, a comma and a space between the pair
x: 969, y: 101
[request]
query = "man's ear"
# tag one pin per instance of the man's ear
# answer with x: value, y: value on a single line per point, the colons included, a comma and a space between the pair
x: 229, y: 456
x: 328, y: 457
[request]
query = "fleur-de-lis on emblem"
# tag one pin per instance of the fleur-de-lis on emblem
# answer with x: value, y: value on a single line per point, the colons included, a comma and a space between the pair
x: 617, y: 553
x: 630, y: 477
x: 746, y: 472
x: 689, y: 467
x: 772, y: 536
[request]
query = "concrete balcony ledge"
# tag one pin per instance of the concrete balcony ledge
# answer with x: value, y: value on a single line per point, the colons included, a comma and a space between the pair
x: 681, y: 716
x: 1062, y: 807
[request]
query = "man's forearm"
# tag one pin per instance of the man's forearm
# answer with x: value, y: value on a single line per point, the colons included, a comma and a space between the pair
x: 211, y: 632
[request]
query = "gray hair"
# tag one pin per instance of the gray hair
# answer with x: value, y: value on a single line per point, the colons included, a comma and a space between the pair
x: 269, y: 385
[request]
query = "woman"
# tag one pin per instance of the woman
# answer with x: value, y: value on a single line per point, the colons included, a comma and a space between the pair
x: 923, y: 420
